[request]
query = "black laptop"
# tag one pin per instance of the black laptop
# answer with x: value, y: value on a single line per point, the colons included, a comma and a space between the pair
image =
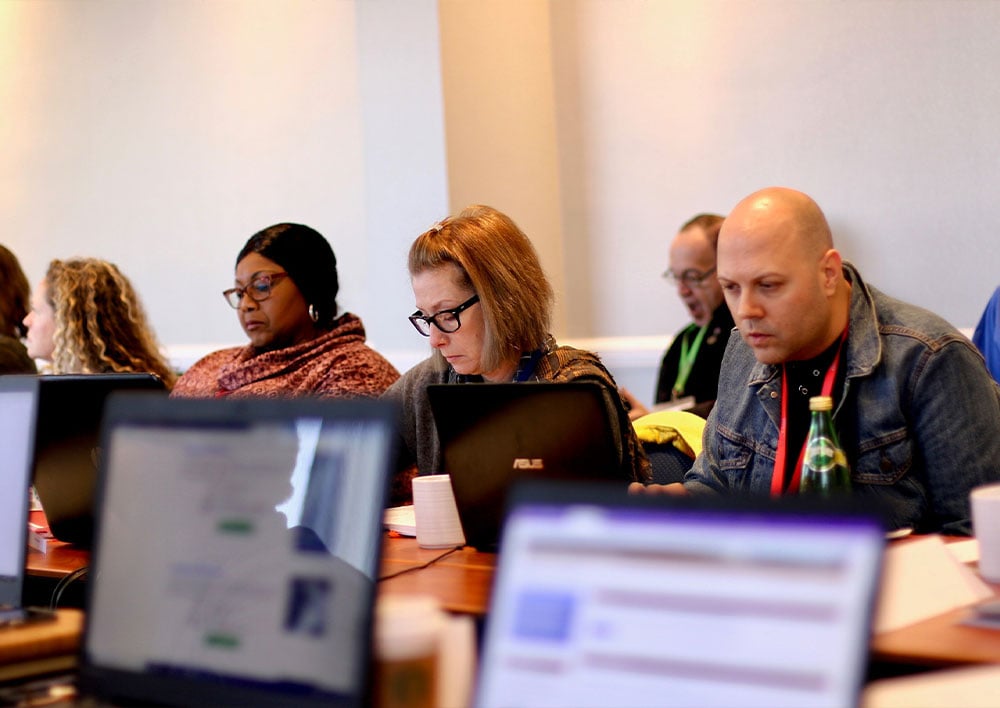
x: 601, y: 598
x: 66, y: 455
x: 495, y: 434
x: 236, y: 551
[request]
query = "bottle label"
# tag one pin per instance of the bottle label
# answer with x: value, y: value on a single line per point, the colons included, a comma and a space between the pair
x: 821, y: 455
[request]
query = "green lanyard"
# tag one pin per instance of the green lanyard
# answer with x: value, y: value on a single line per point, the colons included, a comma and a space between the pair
x: 689, y: 352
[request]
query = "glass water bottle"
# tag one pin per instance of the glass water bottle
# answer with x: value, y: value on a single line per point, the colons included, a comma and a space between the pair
x: 824, y: 465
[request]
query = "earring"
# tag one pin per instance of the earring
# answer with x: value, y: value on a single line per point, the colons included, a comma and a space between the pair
x: 313, y: 313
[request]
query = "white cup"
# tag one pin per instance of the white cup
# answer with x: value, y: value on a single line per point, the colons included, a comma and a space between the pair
x: 435, y: 513
x: 985, y: 502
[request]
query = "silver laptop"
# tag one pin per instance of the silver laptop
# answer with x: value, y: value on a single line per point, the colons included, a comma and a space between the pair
x: 603, y: 599
x: 18, y: 396
x: 236, y: 551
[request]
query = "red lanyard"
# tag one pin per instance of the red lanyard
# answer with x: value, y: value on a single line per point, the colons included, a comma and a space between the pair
x: 780, y: 468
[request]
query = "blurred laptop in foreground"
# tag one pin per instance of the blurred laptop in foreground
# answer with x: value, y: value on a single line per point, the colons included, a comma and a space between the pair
x: 236, y: 551
x: 32, y: 640
x: 604, y: 599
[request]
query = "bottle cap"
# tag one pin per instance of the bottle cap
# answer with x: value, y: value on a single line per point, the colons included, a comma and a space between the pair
x: 821, y: 403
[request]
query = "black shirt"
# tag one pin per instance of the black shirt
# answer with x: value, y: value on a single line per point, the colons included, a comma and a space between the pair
x: 805, y: 380
x: 703, y: 381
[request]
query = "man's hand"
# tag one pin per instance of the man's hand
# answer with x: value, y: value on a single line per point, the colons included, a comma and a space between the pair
x: 674, y: 489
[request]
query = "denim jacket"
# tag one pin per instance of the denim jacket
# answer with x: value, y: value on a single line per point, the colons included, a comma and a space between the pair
x: 919, y: 416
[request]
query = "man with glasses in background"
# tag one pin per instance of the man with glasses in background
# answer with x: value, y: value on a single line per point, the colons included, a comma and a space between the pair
x: 689, y: 372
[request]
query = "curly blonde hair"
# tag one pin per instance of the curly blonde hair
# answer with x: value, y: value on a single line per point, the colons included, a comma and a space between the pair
x: 100, y: 325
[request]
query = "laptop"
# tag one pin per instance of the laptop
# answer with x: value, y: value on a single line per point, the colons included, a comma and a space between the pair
x: 236, y: 551
x: 492, y: 435
x: 17, y: 426
x: 604, y: 599
x: 66, y: 455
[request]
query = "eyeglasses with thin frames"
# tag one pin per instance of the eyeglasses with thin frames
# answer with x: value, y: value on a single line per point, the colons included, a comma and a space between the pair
x: 258, y: 289
x: 446, y: 321
x: 691, y: 278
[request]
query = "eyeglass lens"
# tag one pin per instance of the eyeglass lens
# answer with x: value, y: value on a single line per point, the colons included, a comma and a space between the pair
x: 691, y: 278
x: 258, y: 289
x: 446, y: 320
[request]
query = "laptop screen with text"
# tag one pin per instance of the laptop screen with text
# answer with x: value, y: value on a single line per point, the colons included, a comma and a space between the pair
x: 603, y: 601
x: 236, y: 551
x: 17, y: 423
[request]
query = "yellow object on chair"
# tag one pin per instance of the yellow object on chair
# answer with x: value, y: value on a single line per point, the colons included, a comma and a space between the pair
x: 681, y: 429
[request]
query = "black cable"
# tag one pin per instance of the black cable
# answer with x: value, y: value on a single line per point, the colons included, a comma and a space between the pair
x: 64, y: 583
x: 429, y: 563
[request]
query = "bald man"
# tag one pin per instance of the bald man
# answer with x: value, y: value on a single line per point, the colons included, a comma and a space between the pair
x: 915, y: 408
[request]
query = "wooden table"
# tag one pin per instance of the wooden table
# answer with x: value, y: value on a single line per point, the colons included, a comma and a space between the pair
x: 462, y: 581
x: 940, y: 641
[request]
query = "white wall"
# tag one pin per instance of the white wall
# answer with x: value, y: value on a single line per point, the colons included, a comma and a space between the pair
x: 883, y: 111
x: 162, y: 134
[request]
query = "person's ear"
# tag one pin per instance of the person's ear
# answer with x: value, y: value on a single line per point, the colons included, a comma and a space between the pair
x: 831, y: 270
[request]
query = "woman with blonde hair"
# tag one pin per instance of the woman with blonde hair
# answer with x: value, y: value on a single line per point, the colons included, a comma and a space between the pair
x: 87, y: 319
x: 485, y: 305
x: 14, y: 299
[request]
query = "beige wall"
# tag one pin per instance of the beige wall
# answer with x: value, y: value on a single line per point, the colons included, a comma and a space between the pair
x: 161, y: 135
x: 500, y: 117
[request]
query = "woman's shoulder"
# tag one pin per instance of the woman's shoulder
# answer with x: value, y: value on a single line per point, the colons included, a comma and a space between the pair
x: 202, y: 377
x: 417, y: 378
x: 564, y: 363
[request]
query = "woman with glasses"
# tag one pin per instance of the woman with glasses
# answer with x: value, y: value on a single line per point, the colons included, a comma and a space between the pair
x: 86, y: 318
x: 285, y: 295
x: 485, y: 305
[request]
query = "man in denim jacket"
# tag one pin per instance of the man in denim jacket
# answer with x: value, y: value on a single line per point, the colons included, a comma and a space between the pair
x: 915, y: 408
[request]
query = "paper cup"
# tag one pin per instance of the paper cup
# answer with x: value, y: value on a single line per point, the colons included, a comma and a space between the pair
x: 435, y: 512
x: 407, y: 642
x: 985, y: 502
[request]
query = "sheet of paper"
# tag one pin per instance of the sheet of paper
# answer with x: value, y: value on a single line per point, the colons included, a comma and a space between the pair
x: 922, y: 579
x: 965, y: 551
x: 976, y: 687
x: 401, y: 520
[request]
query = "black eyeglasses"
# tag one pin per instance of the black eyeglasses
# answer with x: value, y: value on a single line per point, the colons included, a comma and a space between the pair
x: 258, y: 289
x: 446, y: 320
x: 691, y: 278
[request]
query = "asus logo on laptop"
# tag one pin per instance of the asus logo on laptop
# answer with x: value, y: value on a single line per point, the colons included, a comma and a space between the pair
x: 528, y: 463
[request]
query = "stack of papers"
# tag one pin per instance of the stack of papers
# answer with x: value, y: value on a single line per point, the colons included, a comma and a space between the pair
x: 401, y: 520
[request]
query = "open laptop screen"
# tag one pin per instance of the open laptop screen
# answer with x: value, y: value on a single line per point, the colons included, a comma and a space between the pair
x: 236, y: 551
x: 17, y: 418
x: 629, y: 604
